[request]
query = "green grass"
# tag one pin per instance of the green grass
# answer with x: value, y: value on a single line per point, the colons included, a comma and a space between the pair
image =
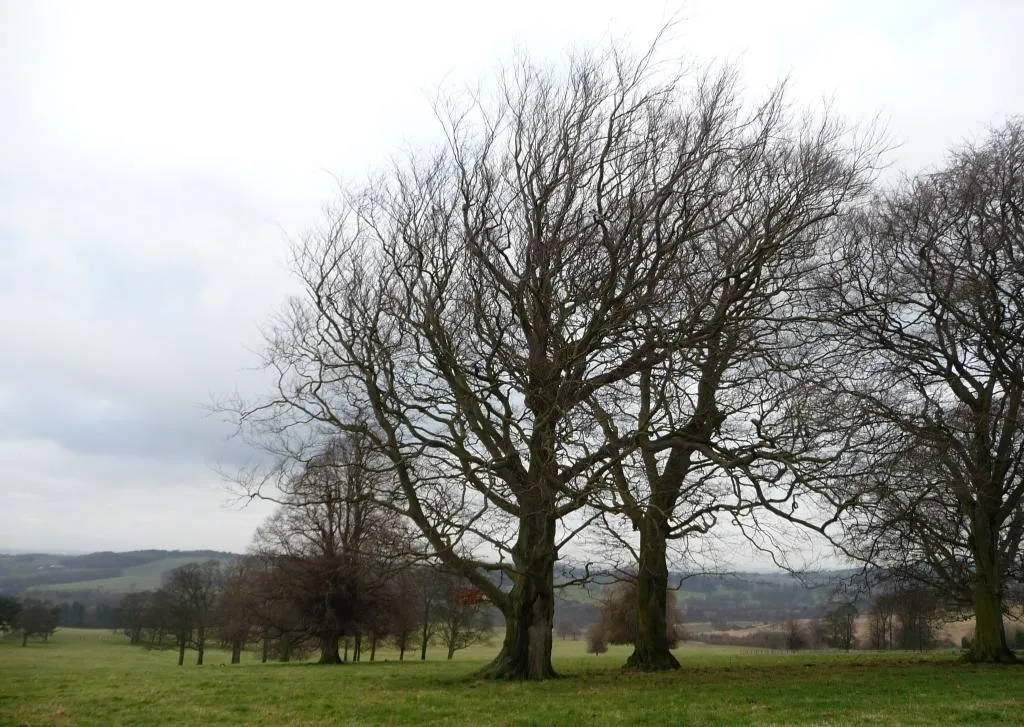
x: 94, y: 678
x: 134, y: 578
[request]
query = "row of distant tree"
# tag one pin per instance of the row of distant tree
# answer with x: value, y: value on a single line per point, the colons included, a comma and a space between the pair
x: 287, y: 609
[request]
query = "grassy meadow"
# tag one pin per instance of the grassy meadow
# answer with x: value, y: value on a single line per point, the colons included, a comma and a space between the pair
x: 95, y: 678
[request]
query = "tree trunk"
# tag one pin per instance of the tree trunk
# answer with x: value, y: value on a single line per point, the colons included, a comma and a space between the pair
x: 236, y: 652
x: 529, y: 608
x: 329, y: 648
x: 266, y: 650
x: 24, y: 638
x: 200, y: 645
x: 425, y: 637
x: 181, y: 653
x: 651, y: 649
x: 373, y: 646
x: 346, y: 649
x: 401, y: 651
x: 989, y: 643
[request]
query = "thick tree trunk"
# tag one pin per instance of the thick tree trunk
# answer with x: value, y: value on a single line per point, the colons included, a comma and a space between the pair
x: 373, y: 646
x: 181, y: 653
x: 989, y: 643
x: 530, y: 606
x: 329, y: 648
x: 236, y: 652
x: 24, y: 638
x: 651, y: 650
x: 266, y: 650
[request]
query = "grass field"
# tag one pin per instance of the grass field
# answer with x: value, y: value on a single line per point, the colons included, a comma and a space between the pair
x: 94, y: 678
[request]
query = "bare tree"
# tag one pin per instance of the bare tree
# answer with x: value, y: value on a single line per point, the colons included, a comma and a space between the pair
x: 722, y: 424
x: 840, y: 626
x: 193, y: 589
x: 235, y: 612
x: 933, y: 343
x: 462, y: 309
x: 405, y: 609
x: 882, y: 621
x: 330, y: 546
x: 460, y: 615
x: 135, y: 614
x: 618, y: 608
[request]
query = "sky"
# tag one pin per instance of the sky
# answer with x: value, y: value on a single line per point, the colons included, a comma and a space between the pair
x: 157, y: 158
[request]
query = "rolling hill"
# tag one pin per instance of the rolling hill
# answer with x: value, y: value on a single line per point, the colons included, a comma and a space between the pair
x: 106, y: 571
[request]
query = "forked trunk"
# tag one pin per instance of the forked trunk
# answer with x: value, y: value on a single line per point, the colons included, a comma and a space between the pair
x: 530, y: 606
x: 329, y: 648
x: 652, y: 647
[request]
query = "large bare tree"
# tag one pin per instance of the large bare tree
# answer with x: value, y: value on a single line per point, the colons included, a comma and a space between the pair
x: 730, y: 421
x: 468, y: 303
x: 933, y: 339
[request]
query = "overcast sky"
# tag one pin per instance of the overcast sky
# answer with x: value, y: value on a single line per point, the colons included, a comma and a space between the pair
x: 156, y: 157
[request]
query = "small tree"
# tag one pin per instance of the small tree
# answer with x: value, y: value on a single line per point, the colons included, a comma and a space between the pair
x: 882, y: 622
x: 37, y: 618
x: 194, y: 588
x: 840, y: 626
x: 796, y: 639
x: 597, y: 638
x: 919, y: 618
x: 134, y: 614
x: 234, y: 612
x: 461, y: 619
x: 405, y: 610
x: 619, y: 615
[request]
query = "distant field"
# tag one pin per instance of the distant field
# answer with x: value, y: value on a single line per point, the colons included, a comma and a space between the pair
x: 134, y: 578
x: 95, y: 678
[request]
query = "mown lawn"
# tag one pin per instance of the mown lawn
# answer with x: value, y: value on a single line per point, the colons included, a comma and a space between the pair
x: 93, y: 678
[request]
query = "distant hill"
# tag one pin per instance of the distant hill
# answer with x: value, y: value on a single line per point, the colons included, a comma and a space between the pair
x: 136, y: 570
x: 733, y: 598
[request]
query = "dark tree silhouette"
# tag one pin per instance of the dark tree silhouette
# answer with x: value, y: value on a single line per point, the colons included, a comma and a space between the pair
x: 933, y: 342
